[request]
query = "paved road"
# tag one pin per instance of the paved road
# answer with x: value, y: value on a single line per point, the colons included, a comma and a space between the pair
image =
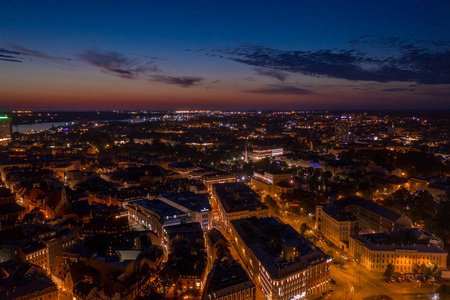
x: 356, y: 282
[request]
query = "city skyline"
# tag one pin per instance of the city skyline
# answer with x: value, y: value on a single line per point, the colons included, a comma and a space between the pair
x: 252, y: 55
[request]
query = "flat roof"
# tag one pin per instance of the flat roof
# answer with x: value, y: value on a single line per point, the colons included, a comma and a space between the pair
x: 261, y: 234
x: 190, y: 200
x: 159, y: 207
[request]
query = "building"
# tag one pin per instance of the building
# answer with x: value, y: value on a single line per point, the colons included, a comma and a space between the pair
x: 228, y: 280
x: 106, y: 225
x: 155, y: 215
x: 237, y: 201
x: 438, y: 186
x: 188, y: 234
x: 57, y: 242
x: 35, y: 253
x: 264, y: 152
x: 5, y: 130
x: 342, y: 132
x: 220, y: 177
x: 284, y: 263
x: 401, y: 248
x: 351, y: 215
x: 272, y: 183
x: 191, y: 265
x: 195, y: 205
x: 26, y: 281
x: 216, y: 246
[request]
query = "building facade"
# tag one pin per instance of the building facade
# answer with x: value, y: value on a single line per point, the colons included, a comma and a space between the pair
x: 270, y: 182
x: 279, y: 259
x: 376, y: 251
x: 155, y: 214
x: 195, y: 205
x: 351, y: 215
x: 35, y: 253
x: 261, y: 153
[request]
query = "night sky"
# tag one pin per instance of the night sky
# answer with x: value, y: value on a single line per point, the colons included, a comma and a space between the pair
x: 81, y: 55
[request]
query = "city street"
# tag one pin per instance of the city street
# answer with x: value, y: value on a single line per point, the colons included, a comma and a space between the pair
x: 355, y: 282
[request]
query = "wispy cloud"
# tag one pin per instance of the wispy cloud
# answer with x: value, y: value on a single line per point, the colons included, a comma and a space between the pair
x: 35, y: 53
x: 403, y: 60
x: 398, y: 90
x: 11, y: 55
x: 280, y: 75
x: 278, y: 89
x: 118, y: 64
x: 183, y: 81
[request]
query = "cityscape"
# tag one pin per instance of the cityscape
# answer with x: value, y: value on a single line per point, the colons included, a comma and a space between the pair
x: 225, y: 205
x: 225, y: 150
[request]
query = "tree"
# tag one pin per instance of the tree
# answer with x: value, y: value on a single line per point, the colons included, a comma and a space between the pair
x: 340, y: 262
x: 430, y: 271
x: 415, y: 269
x: 271, y: 203
x: 358, y: 257
x: 389, y: 271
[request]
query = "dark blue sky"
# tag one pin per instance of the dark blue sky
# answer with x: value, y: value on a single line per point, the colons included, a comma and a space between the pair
x: 214, y: 54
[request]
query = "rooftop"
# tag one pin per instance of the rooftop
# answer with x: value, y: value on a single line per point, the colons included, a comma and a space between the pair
x: 227, y: 274
x: 412, y: 239
x: 237, y: 196
x: 159, y: 207
x: 192, y: 201
x: 279, y: 247
x: 341, y: 204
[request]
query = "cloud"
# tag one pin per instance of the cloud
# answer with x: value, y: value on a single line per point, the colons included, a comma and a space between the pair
x: 276, y: 89
x: 281, y: 76
x: 183, y: 81
x: 398, y: 90
x: 11, y: 55
x: 422, y: 62
x: 118, y: 64
x: 35, y: 53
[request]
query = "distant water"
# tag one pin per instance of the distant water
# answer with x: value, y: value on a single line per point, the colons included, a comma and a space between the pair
x: 38, y: 127
x: 46, y: 126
